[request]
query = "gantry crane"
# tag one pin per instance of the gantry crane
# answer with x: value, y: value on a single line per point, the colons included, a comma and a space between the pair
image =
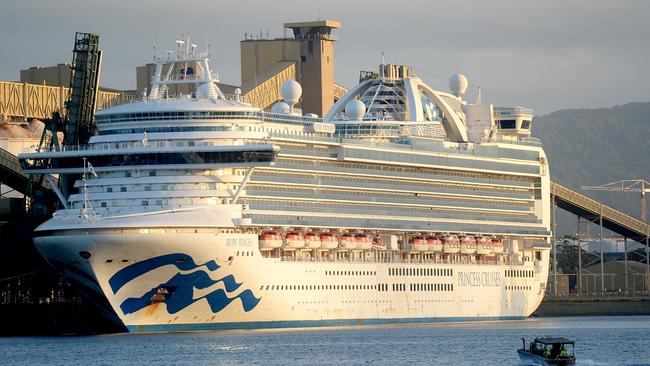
x: 76, y: 121
x: 628, y: 185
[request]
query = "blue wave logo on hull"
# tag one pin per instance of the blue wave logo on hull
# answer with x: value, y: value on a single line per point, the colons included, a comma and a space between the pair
x: 178, y: 292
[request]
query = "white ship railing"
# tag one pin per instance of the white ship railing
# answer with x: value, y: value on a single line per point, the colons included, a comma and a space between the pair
x: 144, y: 144
x: 512, y: 111
x: 185, y: 77
x: 397, y: 259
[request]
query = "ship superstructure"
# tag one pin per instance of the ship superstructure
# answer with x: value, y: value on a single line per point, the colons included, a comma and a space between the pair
x: 403, y: 204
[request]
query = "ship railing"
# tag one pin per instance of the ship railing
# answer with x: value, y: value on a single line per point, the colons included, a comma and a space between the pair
x: 331, y: 257
x: 236, y: 97
x: 527, y: 141
x: 144, y: 144
x: 466, y: 148
x: 512, y: 111
x: 316, y: 36
x: 182, y: 56
x: 185, y: 77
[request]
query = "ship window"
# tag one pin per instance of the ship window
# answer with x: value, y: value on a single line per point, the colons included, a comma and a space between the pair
x: 103, y: 204
x: 144, y: 203
x: 127, y: 174
x: 152, y: 173
x: 147, y: 188
x: 122, y: 189
x: 507, y: 123
x: 109, y: 189
x: 303, y: 59
x: 525, y: 124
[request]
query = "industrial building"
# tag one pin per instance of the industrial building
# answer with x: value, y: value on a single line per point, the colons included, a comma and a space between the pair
x: 310, y: 52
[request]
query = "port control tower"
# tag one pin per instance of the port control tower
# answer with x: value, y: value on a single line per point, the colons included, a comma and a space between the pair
x: 311, y: 50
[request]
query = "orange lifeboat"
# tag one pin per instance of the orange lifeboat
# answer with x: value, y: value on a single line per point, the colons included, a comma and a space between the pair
x: 363, y: 242
x: 329, y: 241
x: 497, y: 246
x: 483, y: 246
x: 451, y: 244
x: 434, y: 244
x: 294, y: 240
x: 418, y: 243
x: 378, y: 243
x: 312, y: 241
x: 348, y: 241
x: 467, y: 244
x: 270, y: 240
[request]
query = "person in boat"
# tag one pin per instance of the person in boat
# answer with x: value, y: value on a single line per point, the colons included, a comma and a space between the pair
x: 547, y: 351
x: 563, y: 352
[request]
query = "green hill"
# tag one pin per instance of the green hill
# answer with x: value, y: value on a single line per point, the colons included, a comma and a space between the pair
x: 598, y: 146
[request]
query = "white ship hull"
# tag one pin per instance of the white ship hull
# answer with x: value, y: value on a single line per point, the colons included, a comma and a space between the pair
x: 216, y: 280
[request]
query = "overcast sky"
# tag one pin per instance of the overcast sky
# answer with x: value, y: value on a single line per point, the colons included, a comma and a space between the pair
x: 547, y: 55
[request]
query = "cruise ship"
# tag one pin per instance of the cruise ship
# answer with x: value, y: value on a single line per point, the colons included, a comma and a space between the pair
x: 402, y: 204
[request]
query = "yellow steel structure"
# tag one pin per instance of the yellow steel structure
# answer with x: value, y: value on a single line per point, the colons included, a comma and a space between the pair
x: 339, y: 91
x: 267, y: 90
x: 25, y: 101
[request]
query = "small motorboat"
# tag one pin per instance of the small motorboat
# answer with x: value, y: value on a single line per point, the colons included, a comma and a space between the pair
x: 467, y: 244
x: 451, y: 244
x: 548, y: 351
x: 294, y: 240
x: 363, y: 242
x: 329, y: 241
x: 418, y: 243
x: 434, y: 243
x: 348, y: 241
x: 483, y: 245
x: 270, y: 240
x: 312, y: 241
x: 497, y: 246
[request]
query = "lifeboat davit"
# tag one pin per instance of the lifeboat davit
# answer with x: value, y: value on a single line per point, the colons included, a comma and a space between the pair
x: 497, y: 246
x: 378, y: 244
x: 418, y: 243
x: 363, y: 242
x: 312, y: 241
x: 434, y: 244
x: 348, y: 241
x: 329, y: 241
x: 483, y: 246
x: 467, y: 245
x: 294, y: 240
x: 270, y: 240
x: 451, y: 244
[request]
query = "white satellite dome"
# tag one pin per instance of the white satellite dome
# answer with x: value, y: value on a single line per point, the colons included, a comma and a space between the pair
x: 458, y: 84
x: 291, y: 91
x: 355, y: 109
x: 312, y: 115
x: 203, y: 90
x: 281, y: 107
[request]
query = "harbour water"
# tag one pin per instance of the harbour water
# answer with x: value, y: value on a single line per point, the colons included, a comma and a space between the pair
x: 599, y: 341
